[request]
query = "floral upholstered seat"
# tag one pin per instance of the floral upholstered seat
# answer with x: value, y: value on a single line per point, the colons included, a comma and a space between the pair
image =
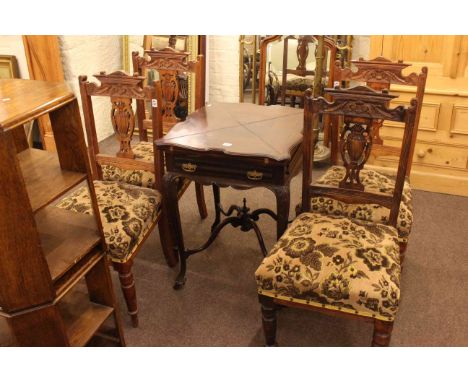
x: 143, y: 151
x: 336, y: 263
x: 127, y: 212
x: 299, y: 84
x: 374, y: 182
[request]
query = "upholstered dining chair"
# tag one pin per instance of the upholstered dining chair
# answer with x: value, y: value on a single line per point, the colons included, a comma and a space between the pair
x: 379, y: 73
x: 129, y: 210
x: 174, y: 69
x: 337, y: 264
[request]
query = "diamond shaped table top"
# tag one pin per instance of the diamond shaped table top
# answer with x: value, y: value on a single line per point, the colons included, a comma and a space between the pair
x: 243, y: 129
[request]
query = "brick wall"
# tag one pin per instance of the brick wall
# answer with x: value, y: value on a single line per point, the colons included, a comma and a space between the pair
x: 89, y: 55
x: 223, y: 68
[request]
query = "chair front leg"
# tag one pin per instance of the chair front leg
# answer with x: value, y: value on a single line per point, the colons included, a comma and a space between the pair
x: 269, y: 309
x: 382, y: 333
x: 127, y: 284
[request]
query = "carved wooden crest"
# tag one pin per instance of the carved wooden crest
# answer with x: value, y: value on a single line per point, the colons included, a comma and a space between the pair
x: 378, y: 73
x: 117, y: 84
x: 167, y: 59
x: 364, y: 102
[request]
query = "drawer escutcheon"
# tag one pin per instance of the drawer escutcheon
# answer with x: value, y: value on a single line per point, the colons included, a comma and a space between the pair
x: 254, y: 175
x: 189, y: 167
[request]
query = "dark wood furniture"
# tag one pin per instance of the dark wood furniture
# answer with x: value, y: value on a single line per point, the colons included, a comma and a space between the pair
x: 172, y: 65
x: 239, y: 145
x: 128, y: 212
x: 339, y: 265
x: 56, y: 289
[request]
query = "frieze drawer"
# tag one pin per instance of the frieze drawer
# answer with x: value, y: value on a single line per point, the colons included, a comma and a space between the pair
x: 246, y: 171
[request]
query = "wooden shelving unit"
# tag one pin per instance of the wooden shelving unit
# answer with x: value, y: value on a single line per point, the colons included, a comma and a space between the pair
x: 56, y: 289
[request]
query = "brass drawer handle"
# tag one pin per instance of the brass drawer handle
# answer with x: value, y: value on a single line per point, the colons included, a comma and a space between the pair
x: 254, y: 175
x: 189, y: 167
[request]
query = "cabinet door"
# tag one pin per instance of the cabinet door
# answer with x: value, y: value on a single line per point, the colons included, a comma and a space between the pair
x: 440, y: 159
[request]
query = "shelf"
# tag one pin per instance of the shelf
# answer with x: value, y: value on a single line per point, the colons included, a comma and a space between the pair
x: 45, y: 180
x: 67, y: 238
x: 81, y: 317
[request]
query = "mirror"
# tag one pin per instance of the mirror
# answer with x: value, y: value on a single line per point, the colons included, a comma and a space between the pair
x: 249, y: 61
x: 289, y: 62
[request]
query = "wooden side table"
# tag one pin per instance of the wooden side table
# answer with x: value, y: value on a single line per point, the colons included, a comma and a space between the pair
x: 238, y: 145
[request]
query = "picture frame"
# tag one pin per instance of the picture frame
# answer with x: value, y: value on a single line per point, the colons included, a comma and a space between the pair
x: 8, y: 67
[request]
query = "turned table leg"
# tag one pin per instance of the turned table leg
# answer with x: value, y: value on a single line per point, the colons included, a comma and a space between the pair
x: 283, y: 201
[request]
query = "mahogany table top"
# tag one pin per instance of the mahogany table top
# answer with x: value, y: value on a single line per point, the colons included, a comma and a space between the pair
x: 239, y: 129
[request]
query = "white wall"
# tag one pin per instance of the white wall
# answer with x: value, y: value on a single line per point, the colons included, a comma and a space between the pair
x: 223, y: 68
x: 88, y: 55
x: 361, y: 47
x: 13, y: 45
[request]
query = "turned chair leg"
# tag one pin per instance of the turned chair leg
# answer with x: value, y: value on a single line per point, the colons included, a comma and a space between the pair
x: 382, y: 333
x: 127, y: 284
x: 201, y: 200
x: 269, y: 309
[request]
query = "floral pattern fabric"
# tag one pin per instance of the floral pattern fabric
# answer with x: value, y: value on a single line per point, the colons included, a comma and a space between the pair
x: 143, y: 151
x: 127, y: 212
x: 335, y: 263
x: 374, y: 182
x: 299, y: 84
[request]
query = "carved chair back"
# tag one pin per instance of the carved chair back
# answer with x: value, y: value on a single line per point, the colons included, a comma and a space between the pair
x: 170, y: 64
x: 121, y: 89
x: 302, y: 53
x: 356, y: 110
x: 380, y: 73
